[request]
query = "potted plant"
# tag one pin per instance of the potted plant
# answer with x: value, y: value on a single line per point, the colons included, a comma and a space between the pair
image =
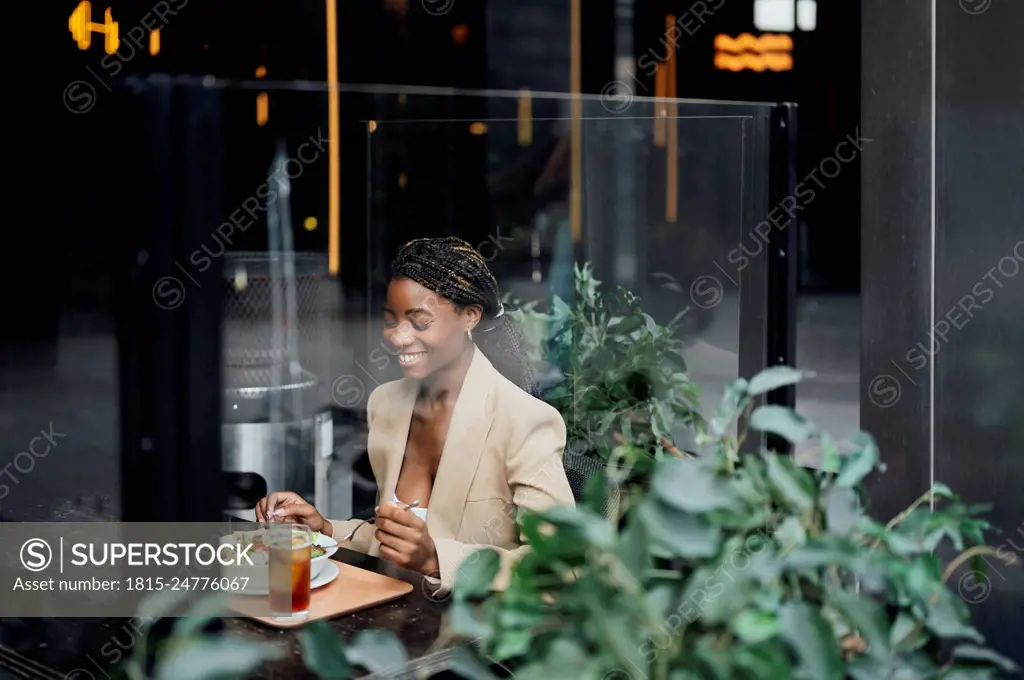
x: 625, y: 394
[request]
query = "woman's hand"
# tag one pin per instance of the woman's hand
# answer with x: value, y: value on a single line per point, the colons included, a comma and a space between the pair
x: 404, y: 539
x: 288, y: 506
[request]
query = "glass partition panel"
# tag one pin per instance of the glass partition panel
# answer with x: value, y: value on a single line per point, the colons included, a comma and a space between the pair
x: 656, y: 195
x: 281, y: 206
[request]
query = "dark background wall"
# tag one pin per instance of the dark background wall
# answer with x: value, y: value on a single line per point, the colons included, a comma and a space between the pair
x: 824, y: 83
x: 943, y: 255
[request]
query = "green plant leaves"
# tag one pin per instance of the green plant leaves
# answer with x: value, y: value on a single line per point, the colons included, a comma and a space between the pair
x: 323, y: 652
x: 855, y: 467
x: 866, y: 617
x: 691, y: 486
x: 576, y: 524
x: 974, y: 653
x: 949, y: 617
x: 753, y: 626
x: 616, y: 633
x: 792, y: 483
x: 728, y: 566
x: 378, y: 651
x: 626, y: 325
x: 907, y: 633
x: 842, y: 511
x: 810, y: 636
x: 773, y: 378
x: 213, y: 658
x: 680, y: 533
x: 782, y: 421
x: 734, y: 400
x: 632, y: 549
x: 201, y: 612
x: 463, y: 621
x: 476, y: 574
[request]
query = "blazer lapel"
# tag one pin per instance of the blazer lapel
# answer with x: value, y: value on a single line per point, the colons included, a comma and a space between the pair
x: 394, y: 420
x: 463, y: 449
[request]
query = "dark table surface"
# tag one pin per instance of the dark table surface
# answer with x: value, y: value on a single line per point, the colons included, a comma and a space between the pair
x: 416, y: 620
x: 93, y: 646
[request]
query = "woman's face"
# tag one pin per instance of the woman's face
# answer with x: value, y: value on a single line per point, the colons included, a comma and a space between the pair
x: 426, y: 331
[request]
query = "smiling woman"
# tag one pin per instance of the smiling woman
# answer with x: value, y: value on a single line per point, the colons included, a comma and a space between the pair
x: 446, y: 284
x: 468, y: 389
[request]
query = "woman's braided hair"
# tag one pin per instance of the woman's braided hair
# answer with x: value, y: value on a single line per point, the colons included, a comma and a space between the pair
x: 456, y: 271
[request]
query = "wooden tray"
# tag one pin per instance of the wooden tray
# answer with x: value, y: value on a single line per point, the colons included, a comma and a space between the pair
x: 354, y: 589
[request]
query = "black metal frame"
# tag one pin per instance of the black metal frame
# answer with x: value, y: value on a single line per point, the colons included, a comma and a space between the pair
x: 780, y: 340
x: 768, y: 285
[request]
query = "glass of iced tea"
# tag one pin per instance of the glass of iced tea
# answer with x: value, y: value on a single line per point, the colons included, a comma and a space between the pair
x: 291, y: 547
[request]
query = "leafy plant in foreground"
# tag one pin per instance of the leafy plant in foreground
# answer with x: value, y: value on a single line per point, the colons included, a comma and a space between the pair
x: 737, y: 565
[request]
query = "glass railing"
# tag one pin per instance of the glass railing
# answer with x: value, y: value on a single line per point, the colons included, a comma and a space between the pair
x: 276, y: 208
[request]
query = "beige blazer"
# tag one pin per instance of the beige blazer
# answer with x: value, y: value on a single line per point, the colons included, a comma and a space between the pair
x: 503, y: 452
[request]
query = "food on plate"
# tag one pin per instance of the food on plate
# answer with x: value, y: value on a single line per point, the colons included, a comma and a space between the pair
x: 259, y: 553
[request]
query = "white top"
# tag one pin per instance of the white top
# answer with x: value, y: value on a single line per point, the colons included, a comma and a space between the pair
x: 419, y: 512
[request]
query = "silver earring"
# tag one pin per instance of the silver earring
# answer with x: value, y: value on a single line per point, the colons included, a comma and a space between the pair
x: 469, y: 334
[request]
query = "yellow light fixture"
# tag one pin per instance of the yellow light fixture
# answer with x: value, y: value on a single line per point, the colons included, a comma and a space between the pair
x: 524, y: 119
x: 310, y: 223
x: 334, y: 148
x: 478, y: 128
x: 672, y: 124
x: 82, y: 27
x: 262, y: 100
x: 576, y: 123
x: 262, y: 108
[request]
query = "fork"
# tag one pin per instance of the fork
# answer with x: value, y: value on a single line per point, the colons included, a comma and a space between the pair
x: 372, y: 520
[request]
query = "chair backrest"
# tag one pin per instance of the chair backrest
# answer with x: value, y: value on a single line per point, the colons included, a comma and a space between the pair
x: 579, y: 468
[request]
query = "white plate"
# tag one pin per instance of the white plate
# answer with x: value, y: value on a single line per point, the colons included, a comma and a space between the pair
x: 329, y: 572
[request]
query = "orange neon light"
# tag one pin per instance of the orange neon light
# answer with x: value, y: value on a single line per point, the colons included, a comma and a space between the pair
x: 82, y: 27
x: 745, y: 42
x: 754, y: 62
x: 746, y: 52
x: 262, y: 108
x: 524, y: 118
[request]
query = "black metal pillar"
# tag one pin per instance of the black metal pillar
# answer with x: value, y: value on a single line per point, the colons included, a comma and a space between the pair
x: 780, y: 341
x: 169, y: 320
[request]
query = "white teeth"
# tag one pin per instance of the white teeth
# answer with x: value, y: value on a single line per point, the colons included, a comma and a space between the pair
x: 410, y: 358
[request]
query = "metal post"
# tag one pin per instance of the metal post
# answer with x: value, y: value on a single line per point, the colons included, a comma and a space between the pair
x: 169, y: 318
x: 782, y: 259
x: 627, y: 233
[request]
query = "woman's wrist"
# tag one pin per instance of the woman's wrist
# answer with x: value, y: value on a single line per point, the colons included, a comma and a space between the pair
x: 327, y: 528
x: 432, y: 567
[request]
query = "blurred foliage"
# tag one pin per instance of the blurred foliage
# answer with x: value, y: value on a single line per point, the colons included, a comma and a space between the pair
x: 738, y: 565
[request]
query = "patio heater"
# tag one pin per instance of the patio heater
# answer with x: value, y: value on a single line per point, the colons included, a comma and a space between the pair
x: 277, y: 426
